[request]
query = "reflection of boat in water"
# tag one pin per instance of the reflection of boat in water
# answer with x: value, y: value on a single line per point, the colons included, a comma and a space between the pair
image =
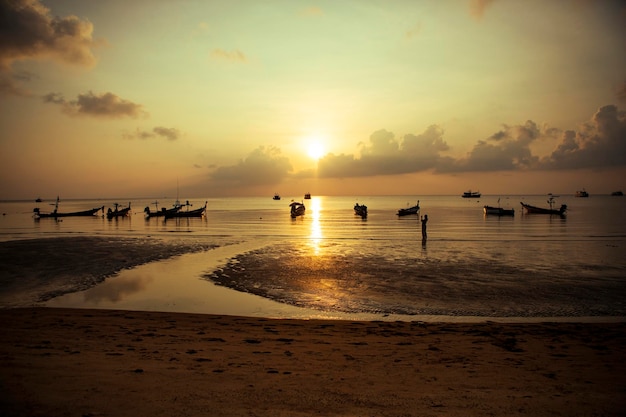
x: 163, y: 212
x: 582, y: 193
x: 498, y: 211
x: 297, y: 209
x: 471, y: 194
x: 360, y: 210
x: 617, y: 193
x: 199, y: 212
x: 307, y: 196
x: 55, y: 214
x: 276, y: 197
x: 540, y: 210
x: 118, y: 212
x: 409, y: 210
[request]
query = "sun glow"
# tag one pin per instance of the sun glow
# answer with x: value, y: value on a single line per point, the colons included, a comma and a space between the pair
x: 315, y: 149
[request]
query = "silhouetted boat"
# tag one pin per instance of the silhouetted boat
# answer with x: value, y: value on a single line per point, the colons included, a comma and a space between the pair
x: 471, y: 194
x: 409, y: 210
x: 187, y: 213
x: 118, y: 212
x: 55, y: 214
x: 617, y: 193
x: 360, y: 210
x: 163, y: 212
x: 297, y: 209
x: 540, y: 210
x: 498, y: 211
x: 276, y: 197
x: 582, y: 193
x: 307, y: 196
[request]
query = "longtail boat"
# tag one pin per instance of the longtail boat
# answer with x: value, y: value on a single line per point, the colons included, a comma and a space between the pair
x: 56, y: 214
x: 118, y: 212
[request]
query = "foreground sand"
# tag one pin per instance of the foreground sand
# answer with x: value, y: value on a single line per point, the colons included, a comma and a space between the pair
x: 63, y: 362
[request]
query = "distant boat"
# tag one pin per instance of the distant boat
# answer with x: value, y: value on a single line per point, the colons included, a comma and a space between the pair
x: 118, y: 212
x: 307, y: 196
x: 617, y: 193
x: 498, y: 211
x: 409, y: 210
x: 199, y: 212
x: 540, y: 210
x: 38, y: 200
x: 276, y: 197
x: 360, y: 210
x: 471, y: 194
x: 55, y: 214
x: 297, y: 209
x: 582, y: 193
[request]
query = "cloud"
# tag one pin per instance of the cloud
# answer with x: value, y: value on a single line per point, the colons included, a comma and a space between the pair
x: 507, y: 149
x: 107, y: 105
x: 598, y: 143
x: 165, y: 132
x: 233, y: 56
x: 384, y: 155
x: 478, y: 7
x: 264, y: 166
x: 28, y: 31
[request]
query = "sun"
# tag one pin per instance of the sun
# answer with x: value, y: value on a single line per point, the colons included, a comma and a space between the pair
x: 315, y: 150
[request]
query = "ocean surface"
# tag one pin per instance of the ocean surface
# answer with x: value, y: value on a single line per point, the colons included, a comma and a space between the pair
x: 332, y: 263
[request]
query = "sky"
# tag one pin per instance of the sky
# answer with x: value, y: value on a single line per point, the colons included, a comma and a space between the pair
x: 142, y: 98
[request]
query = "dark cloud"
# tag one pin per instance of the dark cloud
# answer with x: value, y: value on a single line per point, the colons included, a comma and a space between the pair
x: 264, y: 166
x: 106, y: 105
x: 599, y: 143
x: 29, y: 31
x: 508, y: 149
x: 165, y: 132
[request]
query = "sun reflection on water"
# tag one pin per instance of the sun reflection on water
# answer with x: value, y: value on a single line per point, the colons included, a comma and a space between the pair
x: 315, y: 238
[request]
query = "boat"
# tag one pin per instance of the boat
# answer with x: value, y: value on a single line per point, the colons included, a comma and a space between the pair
x: 582, y: 193
x: 471, y: 194
x: 38, y: 200
x: 276, y: 197
x: 307, y: 196
x: 118, y: 212
x: 297, y: 209
x: 498, y: 211
x: 161, y: 213
x: 360, y: 210
x: 199, y: 212
x: 55, y: 214
x: 540, y: 210
x: 617, y: 193
x: 409, y: 210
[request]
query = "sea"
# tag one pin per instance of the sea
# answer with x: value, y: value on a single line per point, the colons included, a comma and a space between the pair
x: 331, y: 263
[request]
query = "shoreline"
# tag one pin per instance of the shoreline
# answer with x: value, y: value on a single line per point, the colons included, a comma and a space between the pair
x: 110, y: 362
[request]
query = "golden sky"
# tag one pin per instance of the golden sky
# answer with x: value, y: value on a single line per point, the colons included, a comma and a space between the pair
x: 353, y: 97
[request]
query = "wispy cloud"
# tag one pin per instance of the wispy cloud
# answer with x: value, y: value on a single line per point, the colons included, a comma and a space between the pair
x: 29, y: 31
x: 233, y: 56
x: 106, y: 105
x: 478, y: 7
x: 168, y: 133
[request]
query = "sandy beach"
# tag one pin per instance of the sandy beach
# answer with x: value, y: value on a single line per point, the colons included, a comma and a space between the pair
x: 92, y: 362
x: 73, y: 362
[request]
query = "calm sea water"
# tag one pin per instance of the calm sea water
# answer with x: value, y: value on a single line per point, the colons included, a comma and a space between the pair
x: 331, y: 260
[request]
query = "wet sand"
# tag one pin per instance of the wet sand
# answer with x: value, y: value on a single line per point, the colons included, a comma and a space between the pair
x: 73, y: 362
